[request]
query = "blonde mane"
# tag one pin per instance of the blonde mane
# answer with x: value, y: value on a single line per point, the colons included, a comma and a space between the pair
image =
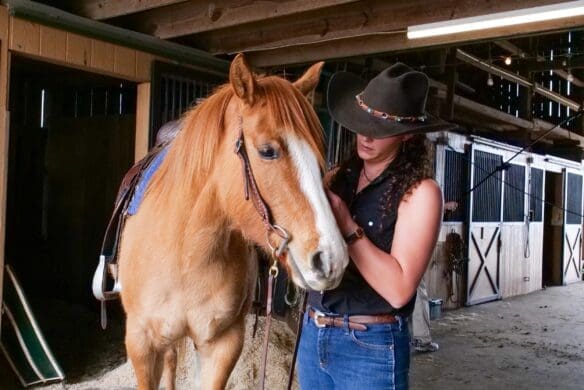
x: 190, y: 157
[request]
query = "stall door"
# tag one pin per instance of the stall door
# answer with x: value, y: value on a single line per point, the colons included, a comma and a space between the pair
x: 484, y: 229
x: 572, y: 261
x: 175, y: 89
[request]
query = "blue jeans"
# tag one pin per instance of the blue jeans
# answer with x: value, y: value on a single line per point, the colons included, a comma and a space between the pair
x: 341, y: 358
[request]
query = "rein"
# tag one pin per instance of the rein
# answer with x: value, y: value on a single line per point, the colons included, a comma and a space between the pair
x: 251, y: 190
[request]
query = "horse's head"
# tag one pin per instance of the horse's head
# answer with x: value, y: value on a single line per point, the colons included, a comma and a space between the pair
x: 283, y: 141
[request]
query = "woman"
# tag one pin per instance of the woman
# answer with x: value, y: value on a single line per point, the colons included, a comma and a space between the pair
x: 389, y: 210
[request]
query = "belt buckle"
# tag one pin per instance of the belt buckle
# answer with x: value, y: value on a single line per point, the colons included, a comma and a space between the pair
x: 317, y: 315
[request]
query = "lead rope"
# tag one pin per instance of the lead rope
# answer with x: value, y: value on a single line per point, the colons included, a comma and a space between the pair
x: 302, y: 309
x: 273, y: 273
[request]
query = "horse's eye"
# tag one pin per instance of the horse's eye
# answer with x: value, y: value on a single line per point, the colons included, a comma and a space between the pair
x: 267, y: 152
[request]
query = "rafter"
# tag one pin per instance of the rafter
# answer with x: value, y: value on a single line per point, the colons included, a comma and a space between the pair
x: 199, y: 16
x: 391, y: 42
x: 107, y: 9
x: 541, y: 64
x: 560, y: 70
x: 350, y: 20
x: 503, y: 121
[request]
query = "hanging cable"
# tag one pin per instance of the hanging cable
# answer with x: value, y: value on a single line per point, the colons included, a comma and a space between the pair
x: 563, y: 209
x: 515, y: 188
x: 505, y: 164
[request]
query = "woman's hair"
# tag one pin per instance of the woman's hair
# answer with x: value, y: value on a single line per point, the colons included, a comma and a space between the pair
x: 411, y: 166
x: 406, y: 171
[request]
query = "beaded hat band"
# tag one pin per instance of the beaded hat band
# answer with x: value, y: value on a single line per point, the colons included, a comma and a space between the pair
x: 385, y: 115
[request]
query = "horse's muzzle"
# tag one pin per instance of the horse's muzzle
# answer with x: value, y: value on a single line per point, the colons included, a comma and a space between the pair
x: 322, y: 271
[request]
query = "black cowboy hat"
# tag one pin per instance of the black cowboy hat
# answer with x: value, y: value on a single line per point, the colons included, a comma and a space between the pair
x: 392, y: 103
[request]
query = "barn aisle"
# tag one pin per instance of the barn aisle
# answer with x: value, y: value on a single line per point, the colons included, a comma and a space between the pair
x: 527, y: 342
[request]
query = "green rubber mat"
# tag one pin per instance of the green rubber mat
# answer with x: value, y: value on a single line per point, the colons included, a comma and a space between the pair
x: 22, y: 341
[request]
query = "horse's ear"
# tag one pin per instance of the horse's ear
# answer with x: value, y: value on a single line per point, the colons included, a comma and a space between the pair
x: 309, y: 80
x: 242, y: 79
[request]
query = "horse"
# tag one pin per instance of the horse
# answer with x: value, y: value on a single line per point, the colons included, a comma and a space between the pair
x: 187, y: 263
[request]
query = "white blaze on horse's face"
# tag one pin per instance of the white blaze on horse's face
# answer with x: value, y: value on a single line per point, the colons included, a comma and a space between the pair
x: 281, y: 125
x: 326, y: 264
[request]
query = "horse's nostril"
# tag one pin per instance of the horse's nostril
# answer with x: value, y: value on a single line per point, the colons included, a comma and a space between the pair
x: 317, y: 263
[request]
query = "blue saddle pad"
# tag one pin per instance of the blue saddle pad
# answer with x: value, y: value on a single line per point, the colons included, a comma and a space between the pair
x: 142, y: 185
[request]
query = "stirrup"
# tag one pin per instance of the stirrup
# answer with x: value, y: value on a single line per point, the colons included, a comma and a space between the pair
x: 99, y: 283
x: 99, y: 287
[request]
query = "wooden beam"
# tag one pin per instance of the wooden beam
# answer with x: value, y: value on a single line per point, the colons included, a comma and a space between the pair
x: 4, y: 133
x: 393, y: 41
x: 142, y: 121
x: 541, y: 65
x: 535, y: 127
x: 451, y: 77
x: 517, y: 51
x: 199, y: 16
x: 350, y: 20
x: 566, y: 76
x: 107, y: 9
x: 498, y: 71
x: 511, y: 48
x: 543, y: 126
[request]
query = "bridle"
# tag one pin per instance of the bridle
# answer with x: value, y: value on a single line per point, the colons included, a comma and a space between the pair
x: 250, y: 188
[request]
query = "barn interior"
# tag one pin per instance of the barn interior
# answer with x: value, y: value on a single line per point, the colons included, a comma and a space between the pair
x: 71, y: 141
x: 511, y: 83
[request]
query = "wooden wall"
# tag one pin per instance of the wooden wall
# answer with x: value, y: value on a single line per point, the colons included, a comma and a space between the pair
x: 440, y: 282
x: 63, y: 48
x: 522, y: 243
x: 533, y: 264
x: 521, y: 259
x: 4, y: 70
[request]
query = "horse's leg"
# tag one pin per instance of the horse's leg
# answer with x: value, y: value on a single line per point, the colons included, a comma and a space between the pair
x: 219, y: 356
x: 170, y: 358
x: 147, y: 362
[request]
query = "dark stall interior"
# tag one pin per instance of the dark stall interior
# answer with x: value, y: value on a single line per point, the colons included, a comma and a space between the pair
x: 71, y: 140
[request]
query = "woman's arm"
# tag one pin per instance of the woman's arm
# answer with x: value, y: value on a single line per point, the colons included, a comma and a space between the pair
x: 396, y: 276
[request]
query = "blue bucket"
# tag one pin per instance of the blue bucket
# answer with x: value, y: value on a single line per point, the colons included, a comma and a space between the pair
x: 435, y: 308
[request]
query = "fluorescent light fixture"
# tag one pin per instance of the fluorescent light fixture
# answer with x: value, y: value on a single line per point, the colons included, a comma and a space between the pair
x: 500, y: 19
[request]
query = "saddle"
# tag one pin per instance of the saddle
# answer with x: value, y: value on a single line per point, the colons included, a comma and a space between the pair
x: 105, y: 284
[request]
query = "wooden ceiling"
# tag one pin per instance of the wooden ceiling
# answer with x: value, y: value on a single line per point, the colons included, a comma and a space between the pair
x: 300, y: 31
x: 367, y: 34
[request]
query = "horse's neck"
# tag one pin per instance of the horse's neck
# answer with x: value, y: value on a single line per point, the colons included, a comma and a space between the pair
x: 204, y: 226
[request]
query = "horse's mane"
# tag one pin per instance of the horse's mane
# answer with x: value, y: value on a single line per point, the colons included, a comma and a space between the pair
x: 191, y: 155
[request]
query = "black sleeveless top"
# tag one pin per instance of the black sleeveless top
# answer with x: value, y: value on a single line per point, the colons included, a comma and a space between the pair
x: 375, y: 210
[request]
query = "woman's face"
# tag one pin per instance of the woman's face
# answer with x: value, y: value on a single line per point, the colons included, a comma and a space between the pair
x: 378, y: 149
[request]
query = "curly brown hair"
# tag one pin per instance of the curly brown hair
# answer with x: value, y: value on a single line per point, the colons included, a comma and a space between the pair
x: 404, y: 173
x: 411, y: 166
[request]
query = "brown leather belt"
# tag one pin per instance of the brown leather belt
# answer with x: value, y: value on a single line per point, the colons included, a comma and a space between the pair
x: 356, y: 322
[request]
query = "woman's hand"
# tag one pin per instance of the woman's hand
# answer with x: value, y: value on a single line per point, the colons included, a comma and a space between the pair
x: 342, y: 214
x: 328, y: 177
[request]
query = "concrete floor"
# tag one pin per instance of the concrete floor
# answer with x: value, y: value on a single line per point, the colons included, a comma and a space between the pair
x: 534, y: 341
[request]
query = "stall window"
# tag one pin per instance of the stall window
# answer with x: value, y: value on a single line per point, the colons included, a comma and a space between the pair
x: 574, y: 203
x: 514, y: 198
x: 455, y: 184
x: 536, y: 195
x: 487, y: 196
